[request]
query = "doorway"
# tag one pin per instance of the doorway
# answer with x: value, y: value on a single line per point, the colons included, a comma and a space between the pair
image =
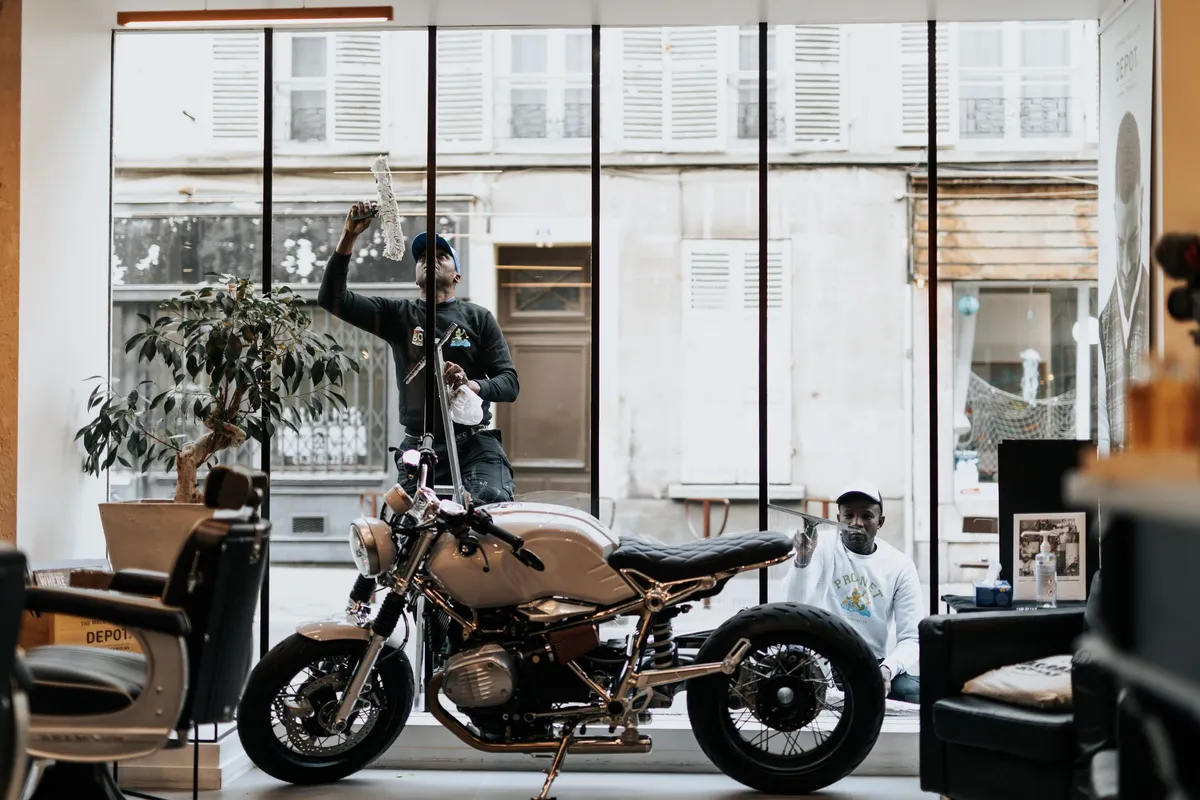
x: 545, y: 311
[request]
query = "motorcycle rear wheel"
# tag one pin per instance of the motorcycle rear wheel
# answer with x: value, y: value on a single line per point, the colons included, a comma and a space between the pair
x: 392, y: 683
x: 781, y: 636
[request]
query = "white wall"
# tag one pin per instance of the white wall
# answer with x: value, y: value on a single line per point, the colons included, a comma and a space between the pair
x: 64, y: 269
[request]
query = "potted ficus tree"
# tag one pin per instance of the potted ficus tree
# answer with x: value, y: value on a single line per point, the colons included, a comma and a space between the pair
x: 236, y: 365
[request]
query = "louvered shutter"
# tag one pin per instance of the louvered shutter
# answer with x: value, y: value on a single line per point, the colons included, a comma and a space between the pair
x: 779, y: 360
x: 914, y: 85
x: 642, y: 88
x: 720, y: 382
x: 817, y: 120
x: 358, y: 89
x: 695, y: 89
x: 464, y: 107
x: 236, y: 89
x: 715, y: 365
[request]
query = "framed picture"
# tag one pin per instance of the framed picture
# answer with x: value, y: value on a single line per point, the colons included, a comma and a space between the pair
x: 1065, y: 533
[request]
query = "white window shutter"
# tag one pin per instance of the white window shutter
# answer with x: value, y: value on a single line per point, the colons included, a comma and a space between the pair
x: 695, y: 89
x: 817, y: 118
x: 642, y: 88
x: 720, y: 336
x: 237, y: 102
x: 714, y: 342
x: 914, y: 84
x: 358, y: 89
x: 464, y: 106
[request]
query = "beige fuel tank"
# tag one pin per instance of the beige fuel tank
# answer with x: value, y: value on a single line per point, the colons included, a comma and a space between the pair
x: 573, y: 545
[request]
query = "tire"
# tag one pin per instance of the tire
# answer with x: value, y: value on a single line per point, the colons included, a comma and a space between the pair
x: 274, y: 671
x: 852, y: 740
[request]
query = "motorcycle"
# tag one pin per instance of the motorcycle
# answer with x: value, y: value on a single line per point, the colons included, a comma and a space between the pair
x: 509, y: 599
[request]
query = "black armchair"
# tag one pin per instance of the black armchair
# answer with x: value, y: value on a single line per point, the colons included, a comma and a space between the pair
x: 973, y: 748
x: 91, y: 707
x: 14, y: 707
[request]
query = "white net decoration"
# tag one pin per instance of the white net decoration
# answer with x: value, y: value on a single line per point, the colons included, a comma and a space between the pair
x: 389, y: 211
x: 997, y: 415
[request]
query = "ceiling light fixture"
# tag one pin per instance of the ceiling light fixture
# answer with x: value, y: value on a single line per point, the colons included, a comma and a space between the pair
x: 255, y: 17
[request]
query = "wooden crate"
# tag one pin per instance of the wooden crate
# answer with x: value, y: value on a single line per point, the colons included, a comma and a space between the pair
x: 44, y: 629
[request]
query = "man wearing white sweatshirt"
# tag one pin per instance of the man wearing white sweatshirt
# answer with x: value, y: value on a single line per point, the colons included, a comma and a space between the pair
x: 866, y: 582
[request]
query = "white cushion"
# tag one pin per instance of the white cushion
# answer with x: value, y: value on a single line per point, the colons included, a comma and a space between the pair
x: 1044, y: 683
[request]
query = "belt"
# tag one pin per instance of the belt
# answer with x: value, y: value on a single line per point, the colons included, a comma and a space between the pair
x: 460, y: 434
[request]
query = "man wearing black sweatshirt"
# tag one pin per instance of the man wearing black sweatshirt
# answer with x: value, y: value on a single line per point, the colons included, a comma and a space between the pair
x: 476, y: 355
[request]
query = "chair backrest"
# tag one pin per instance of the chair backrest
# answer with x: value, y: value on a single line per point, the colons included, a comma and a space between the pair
x: 14, y: 719
x: 216, y: 581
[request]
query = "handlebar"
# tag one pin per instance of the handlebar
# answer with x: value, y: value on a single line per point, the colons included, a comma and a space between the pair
x: 482, y: 522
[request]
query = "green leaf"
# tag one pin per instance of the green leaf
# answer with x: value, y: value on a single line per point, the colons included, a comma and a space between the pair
x: 149, y: 348
x: 289, y: 366
x: 318, y: 373
x: 169, y: 406
x: 121, y: 460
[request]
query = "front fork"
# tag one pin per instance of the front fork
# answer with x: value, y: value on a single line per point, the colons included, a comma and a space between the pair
x: 382, y: 628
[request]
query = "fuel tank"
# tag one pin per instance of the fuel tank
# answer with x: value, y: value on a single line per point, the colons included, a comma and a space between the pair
x: 573, y: 545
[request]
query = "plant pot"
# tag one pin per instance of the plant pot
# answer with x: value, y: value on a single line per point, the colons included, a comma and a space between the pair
x: 147, y: 534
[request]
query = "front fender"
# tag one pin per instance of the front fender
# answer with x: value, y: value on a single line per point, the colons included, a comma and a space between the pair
x: 331, y: 630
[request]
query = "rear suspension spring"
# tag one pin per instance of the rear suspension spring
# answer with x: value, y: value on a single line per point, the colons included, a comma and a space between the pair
x: 663, y: 649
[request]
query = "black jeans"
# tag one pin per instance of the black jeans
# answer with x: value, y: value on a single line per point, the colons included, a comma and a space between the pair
x: 486, y: 473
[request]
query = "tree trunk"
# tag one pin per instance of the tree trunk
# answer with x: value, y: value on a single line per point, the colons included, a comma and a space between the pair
x: 219, y: 438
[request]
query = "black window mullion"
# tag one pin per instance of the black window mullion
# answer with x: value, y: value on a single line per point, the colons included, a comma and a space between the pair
x: 763, y: 377
x: 931, y: 287
x: 594, y: 444
x: 264, y: 615
x: 432, y: 416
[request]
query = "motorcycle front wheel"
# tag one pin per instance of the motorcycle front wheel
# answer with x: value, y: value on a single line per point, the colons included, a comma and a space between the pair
x: 802, y: 711
x: 292, y: 696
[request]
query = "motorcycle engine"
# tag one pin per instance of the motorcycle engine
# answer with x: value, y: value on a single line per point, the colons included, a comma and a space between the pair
x: 481, y: 678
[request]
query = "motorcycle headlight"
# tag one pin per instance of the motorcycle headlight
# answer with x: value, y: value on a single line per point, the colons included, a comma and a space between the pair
x: 372, y: 546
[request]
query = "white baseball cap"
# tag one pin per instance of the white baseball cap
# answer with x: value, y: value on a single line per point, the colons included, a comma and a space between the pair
x: 861, y: 489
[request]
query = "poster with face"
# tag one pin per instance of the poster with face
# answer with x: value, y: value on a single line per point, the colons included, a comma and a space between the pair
x: 1126, y: 108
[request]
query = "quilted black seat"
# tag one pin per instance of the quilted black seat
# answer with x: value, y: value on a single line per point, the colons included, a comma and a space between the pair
x: 86, y: 680
x: 682, y: 562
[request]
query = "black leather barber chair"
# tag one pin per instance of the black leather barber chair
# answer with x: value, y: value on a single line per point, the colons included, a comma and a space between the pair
x: 14, y: 707
x: 973, y: 748
x: 92, y: 707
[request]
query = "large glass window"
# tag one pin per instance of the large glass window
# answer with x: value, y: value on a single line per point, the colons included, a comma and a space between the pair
x: 337, y: 466
x: 1024, y: 368
x: 180, y: 99
x: 847, y: 249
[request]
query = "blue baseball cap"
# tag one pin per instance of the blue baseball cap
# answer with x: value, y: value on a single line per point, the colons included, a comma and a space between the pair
x: 418, y: 249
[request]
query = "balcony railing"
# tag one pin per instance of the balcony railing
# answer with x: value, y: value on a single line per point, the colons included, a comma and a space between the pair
x: 1040, y: 117
x: 747, y: 121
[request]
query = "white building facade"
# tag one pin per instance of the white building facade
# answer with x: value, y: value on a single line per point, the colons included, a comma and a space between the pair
x: 848, y: 316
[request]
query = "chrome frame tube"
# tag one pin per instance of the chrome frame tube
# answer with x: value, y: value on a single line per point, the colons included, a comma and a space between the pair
x: 595, y: 745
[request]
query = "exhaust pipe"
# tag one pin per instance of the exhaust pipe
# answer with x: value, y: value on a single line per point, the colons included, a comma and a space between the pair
x: 586, y: 745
